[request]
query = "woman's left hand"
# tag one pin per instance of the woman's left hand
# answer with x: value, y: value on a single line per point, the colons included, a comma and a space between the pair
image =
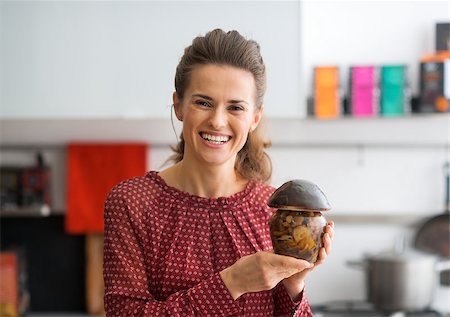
x: 296, y: 282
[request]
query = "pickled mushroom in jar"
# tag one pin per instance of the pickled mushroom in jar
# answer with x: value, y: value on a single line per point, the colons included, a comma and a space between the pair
x: 297, y: 226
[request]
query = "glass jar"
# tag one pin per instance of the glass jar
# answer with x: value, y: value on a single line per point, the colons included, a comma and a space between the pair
x: 297, y: 233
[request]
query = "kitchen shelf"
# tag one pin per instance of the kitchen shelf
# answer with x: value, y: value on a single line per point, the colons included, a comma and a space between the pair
x: 415, y: 130
x: 32, y: 211
x: 424, y: 130
x: 378, y: 219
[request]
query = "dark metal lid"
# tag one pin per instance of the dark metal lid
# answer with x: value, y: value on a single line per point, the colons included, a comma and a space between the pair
x: 299, y: 194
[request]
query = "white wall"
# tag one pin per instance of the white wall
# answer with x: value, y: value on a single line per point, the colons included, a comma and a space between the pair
x: 87, y: 59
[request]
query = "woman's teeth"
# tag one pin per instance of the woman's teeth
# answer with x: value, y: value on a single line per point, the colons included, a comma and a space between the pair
x: 215, y: 139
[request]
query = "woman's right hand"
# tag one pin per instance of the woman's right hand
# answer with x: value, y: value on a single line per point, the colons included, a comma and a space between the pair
x: 259, y: 272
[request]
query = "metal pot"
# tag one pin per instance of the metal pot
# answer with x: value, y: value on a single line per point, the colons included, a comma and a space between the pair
x: 401, y: 281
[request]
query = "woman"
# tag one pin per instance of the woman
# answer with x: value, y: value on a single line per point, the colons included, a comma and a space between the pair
x: 193, y: 239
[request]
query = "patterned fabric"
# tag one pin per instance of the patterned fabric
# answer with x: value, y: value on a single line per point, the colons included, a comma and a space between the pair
x: 164, y: 249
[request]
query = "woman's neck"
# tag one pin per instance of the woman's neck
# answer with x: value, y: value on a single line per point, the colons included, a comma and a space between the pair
x: 205, y: 181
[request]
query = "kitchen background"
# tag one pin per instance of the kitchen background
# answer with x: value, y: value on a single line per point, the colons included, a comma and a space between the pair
x: 102, y: 71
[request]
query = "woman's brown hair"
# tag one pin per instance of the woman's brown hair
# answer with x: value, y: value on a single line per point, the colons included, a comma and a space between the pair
x: 231, y: 49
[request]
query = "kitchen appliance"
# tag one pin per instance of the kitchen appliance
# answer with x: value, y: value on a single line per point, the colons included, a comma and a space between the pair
x: 433, y: 234
x: 353, y: 308
x: 401, y: 280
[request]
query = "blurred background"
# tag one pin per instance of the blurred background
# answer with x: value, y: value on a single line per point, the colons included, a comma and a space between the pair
x: 357, y: 102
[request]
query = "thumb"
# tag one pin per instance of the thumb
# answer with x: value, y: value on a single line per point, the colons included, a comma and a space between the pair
x: 298, y: 264
x: 302, y: 264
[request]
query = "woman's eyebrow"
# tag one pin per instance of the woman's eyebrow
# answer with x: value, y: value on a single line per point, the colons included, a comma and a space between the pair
x: 238, y: 101
x: 202, y: 96
x: 210, y: 99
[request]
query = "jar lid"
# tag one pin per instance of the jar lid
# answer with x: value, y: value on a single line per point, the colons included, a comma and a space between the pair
x: 299, y: 194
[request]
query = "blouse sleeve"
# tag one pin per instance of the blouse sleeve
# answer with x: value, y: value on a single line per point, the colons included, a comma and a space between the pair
x: 285, y: 306
x: 127, y: 291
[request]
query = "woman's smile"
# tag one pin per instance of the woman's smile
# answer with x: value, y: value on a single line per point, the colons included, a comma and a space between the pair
x: 214, y: 139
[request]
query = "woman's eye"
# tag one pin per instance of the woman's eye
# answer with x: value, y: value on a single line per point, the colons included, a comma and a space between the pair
x: 236, y: 108
x: 202, y: 103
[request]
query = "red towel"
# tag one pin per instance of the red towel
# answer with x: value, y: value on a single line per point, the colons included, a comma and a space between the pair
x: 92, y: 171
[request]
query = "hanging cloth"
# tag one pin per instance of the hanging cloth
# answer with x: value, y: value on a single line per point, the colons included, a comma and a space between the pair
x: 92, y: 171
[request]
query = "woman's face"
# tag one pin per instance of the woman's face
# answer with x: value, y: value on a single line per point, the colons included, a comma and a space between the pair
x: 218, y: 111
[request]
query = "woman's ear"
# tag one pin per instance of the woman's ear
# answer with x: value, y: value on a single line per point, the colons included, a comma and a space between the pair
x: 257, y: 118
x: 177, y: 106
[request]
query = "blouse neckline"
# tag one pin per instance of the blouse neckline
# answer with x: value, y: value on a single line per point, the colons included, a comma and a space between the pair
x: 186, y: 196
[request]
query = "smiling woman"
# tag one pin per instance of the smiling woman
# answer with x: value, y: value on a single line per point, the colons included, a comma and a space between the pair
x: 244, y: 84
x: 219, y: 110
x: 193, y: 239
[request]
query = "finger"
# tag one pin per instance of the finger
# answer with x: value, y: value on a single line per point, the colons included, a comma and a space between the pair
x: 321, y: 258
x: 327, y: 243
x: 298, y: 264
x: 331, y: 223
x: 290, y: 262
x: 330, y: 230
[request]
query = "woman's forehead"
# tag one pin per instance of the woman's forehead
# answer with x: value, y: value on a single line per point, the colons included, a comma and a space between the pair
x: 219, y: 80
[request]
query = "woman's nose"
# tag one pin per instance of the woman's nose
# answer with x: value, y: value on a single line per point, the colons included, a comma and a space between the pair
x: 218, y: 118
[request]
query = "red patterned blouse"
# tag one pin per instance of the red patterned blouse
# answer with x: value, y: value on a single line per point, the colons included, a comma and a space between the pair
x: 164, y: 249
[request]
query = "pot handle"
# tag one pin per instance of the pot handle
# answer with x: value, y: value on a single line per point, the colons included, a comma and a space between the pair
x: 358, y: 264
x: 443, y: 265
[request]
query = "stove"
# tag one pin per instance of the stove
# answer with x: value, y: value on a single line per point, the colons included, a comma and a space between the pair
x: 363, y: 309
